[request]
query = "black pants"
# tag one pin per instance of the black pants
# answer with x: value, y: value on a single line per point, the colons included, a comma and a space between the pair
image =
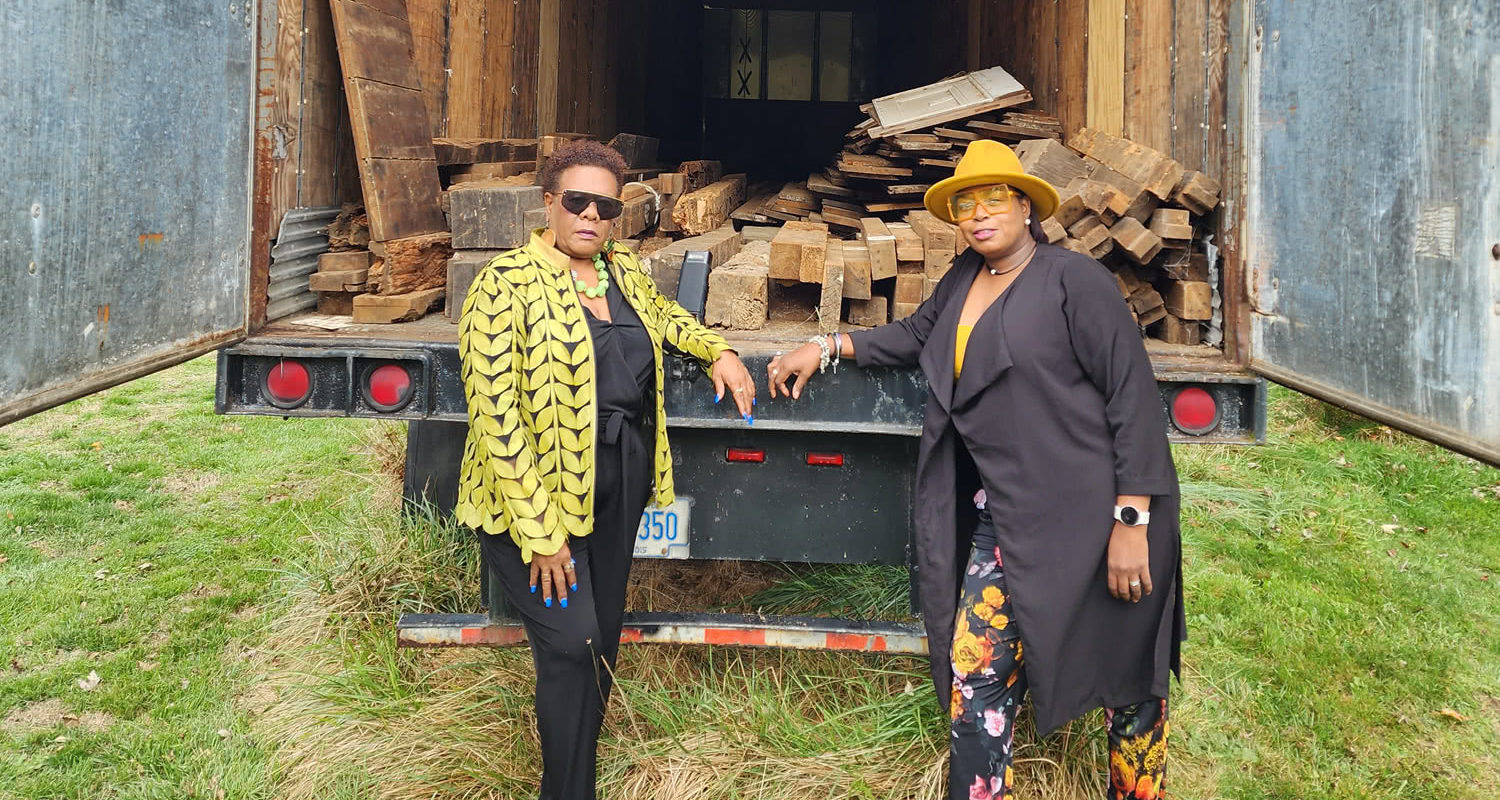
x: 574, y: 648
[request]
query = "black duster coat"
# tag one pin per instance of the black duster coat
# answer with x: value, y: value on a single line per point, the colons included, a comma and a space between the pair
x: 1059, y: 409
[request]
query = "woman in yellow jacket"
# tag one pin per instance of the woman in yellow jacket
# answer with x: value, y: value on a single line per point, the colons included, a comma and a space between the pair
x: 561, y: 343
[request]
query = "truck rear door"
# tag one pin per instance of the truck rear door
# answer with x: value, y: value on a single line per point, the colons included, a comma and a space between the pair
x: 1372, y: 208
x: 124, y: 190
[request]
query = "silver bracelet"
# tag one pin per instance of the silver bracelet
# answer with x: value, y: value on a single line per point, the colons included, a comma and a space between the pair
x: 823, y: 354
x: 838, y: 351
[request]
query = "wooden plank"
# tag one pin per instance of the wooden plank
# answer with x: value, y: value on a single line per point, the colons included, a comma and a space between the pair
x: 1153, y: 169
x: 1190, y: 40
x: 373, y: 308
x: 882, y: 244
x: 496, y: 97
x: 401, y: 197
x: 526, y: 43
x: 286, y: 110
x: 411, y: 264
x: 831, y: 298
x: 1189, y: 300
x: 329, y: 170
x: 856, y: 270
x: 401, y: 194
x: 392, y: 121
x: 1148, y: 74
x: 380, y: 45
x: 549, y: 15
x: 1216, y: 108
x: 955, y: 98
x: 429, y: 38
x: 465, y: 68
x: 1106, y: 65
x: 699, y: 212
x: 1051, y: 161
x: 349, y: 280
x: 1072, y: 60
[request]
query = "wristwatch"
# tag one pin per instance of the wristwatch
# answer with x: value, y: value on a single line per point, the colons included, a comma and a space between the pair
x: 1132, y: 516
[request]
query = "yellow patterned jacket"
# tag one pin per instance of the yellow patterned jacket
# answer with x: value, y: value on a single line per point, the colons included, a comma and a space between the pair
x: 528, y: 373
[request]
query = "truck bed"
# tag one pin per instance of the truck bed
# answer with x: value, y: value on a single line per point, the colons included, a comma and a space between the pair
x: 778, y: 335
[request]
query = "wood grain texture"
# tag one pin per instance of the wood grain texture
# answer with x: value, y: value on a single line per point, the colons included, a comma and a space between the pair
x: 496, y: 97
x: 330, y: 174
x: 381, y: 46
x: 549, y: 40
x: 1190, y: 40
x: 1106, y: 65
x: 401, y: 197
x: 429, y: 38
x: 526, y: 38
x: 1148, y: 73
x: 286, y: 111
x: 465, y: 68
x: 1072, y: 60
x: 393, y: 121
x: 1216, y: 74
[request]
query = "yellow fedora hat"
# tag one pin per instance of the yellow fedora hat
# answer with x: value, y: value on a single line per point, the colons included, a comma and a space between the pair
x: 988, y: 162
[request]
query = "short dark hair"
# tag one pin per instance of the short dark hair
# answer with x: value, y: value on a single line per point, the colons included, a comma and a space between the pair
x: 582, y: 153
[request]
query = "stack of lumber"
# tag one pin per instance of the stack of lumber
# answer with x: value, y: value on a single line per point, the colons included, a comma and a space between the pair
x: 907, y: 142
x: 467, y: 160
x: 1137, y: 211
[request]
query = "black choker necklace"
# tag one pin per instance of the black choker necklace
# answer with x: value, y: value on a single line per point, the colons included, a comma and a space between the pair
x: 1008, y: 270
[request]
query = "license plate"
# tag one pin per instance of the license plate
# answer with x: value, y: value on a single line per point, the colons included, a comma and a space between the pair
x: 664, y: 531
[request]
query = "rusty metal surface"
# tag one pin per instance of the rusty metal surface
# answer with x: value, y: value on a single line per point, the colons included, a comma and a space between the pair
x: 124, y: 187
x: 1372, y: 204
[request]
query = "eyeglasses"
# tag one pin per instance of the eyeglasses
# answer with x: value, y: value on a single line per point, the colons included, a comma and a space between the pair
x: 576, y: 202
x: 998, y: 199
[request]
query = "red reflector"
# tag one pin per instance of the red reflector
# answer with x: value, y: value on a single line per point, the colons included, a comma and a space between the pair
x: 1194, y: 411
x: 288, y: 384
x: 390, y: 387
x: 825, y: 459
x: 746, y: 455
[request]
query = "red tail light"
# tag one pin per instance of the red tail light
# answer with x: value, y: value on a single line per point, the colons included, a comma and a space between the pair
x: 387, y: 387
x: 825, y: 459
x: 745, y: 455
x: 288, y: 384
x: 1194, y: 411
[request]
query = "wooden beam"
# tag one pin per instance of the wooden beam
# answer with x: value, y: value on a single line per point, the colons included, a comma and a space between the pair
x: 1148, y: 73
x: 548, y: 57
x: 1189, y: 42
x: 1106, y: 66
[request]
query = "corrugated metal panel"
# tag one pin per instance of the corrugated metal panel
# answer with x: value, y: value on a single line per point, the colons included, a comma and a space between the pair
x: 303, y: 237
x: 124, y: 190
x: 1373, y: 204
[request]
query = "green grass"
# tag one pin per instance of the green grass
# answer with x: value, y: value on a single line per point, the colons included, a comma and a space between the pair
x: 233, y: 581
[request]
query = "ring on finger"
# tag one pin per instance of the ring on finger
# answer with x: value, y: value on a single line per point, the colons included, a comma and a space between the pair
x: 1135, y: 584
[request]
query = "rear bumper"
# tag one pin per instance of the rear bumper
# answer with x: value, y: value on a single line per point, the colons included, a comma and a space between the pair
x: 732, y: 630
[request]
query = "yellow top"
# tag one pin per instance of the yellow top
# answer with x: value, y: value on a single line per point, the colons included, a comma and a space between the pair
x: 962, y: 345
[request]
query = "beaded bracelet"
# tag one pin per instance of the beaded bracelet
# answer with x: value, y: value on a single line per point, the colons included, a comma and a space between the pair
x: 824, y: 357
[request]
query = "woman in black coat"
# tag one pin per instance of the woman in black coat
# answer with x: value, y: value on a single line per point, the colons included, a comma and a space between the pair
x: 1047, y: 505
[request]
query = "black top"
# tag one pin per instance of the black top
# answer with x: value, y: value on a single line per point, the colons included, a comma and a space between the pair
x: 624, y: 366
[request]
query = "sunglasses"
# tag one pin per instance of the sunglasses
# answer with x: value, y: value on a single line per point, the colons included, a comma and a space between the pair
x: 995, y: 199
x: 576, y: 202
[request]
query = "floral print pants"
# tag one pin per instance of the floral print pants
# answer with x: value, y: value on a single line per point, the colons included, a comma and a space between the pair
x: 989, y: 684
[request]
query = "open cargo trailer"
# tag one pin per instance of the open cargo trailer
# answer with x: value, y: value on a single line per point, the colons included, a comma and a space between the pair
x: 1367, y: 281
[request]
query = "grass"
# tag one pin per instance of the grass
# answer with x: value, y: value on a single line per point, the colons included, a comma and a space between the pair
x: 233, y: 583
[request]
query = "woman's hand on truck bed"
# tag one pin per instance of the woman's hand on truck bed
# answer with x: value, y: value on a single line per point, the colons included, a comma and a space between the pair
x: 731, y: 377
x: 799, y: 364
x: 554, y: 575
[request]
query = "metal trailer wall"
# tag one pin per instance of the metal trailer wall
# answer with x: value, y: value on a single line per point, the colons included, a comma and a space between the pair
x: 1372, y: 219
x: 124, y: 190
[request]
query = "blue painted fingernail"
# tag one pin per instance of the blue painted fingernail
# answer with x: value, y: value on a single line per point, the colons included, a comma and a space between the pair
x: 533, y: 588
x: 565, y: 602
x: 718, y: 397
x: 549, y: 602
x: 574, y: 587
x: 753, y: 401
x: 750, y: 418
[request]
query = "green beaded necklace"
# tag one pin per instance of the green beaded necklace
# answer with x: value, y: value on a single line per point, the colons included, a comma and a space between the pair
x: 598, y: 289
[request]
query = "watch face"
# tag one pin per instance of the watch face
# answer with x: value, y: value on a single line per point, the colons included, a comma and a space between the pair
x: 1129, y: 515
